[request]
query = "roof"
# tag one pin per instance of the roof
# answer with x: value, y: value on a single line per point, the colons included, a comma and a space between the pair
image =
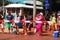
x: 31, y: 2
x: 21, y: 5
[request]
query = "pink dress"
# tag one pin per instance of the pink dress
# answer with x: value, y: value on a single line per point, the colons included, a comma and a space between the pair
x: 39, y: 25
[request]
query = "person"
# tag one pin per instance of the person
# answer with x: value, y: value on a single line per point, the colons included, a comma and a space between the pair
x: 47, y: 15
x: 30, y: 17
x: 40, y: 18
x: 45, y: 25
x: 30, y: 26
x: 17, y: 19
x: 53, y: 20
x: 15, y: 28
x: 24, y: 25
x: 2, y: 23
x: 10, y: 18
x: 58, y: 23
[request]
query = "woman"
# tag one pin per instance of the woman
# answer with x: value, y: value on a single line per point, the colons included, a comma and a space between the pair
x: 53, y: 20
x: 39, y: 24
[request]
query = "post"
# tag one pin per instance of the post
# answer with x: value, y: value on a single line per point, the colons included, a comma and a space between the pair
x: 21, y: 11
x: 34, y: 11
x: 3, y: 7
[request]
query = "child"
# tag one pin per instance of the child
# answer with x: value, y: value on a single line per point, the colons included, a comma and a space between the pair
x: 30, y: 25
x: 45, y: 25
x: 2, y: 23
x: 15, y: 28
x: 10, y: 18
x: 24, y: 25
x: 2, y: 27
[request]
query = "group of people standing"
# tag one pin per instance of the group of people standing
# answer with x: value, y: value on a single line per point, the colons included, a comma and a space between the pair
x: 42, y: 22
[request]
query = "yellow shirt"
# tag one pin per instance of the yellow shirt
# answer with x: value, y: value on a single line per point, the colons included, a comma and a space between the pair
x: 53, y: 19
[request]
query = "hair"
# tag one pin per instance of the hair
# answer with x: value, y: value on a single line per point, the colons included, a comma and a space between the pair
x: 15, y: 23
x: 25, y: 16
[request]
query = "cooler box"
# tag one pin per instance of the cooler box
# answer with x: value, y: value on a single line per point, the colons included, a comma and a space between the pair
x: 56, y: 34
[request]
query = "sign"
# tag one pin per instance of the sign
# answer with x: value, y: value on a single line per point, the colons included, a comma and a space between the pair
x: 47, y: 5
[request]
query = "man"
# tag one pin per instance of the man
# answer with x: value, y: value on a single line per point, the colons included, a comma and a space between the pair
x: 9, y: 17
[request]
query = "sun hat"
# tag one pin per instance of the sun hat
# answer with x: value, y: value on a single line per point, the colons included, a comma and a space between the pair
x: 41, y: 13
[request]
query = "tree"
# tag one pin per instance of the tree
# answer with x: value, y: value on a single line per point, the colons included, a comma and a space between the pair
x: 5, y: 2
x: 43, y: 2
x: 57, y: 1
x: 1, y: 2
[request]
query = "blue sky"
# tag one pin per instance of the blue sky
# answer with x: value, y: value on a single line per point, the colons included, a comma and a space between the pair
x: 18, y: 0
x: 15, y: 0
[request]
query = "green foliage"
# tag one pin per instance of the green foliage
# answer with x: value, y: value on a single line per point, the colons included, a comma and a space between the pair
x: 1, y: 2
x: 42, y: 0
x: 57, y: 1
x: 5, y: 2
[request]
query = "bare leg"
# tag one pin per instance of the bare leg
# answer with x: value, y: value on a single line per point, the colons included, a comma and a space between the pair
x: 9, y: 30
x: 25, y: 29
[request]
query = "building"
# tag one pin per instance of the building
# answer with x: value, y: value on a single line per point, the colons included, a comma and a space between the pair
x: 25, y: 7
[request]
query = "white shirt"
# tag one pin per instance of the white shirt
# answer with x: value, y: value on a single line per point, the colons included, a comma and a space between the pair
x: 16, y: 20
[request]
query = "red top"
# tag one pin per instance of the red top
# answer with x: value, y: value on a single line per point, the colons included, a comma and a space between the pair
x: 1, y: 20
x: 11, y: 20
